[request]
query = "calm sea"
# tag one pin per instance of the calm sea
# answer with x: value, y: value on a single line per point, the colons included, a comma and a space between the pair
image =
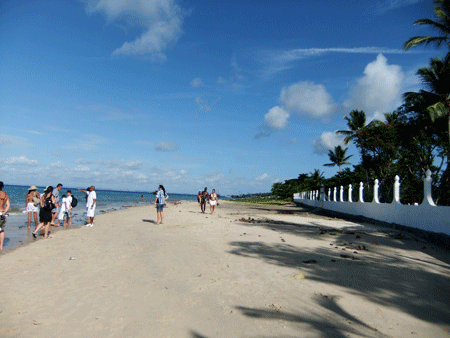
x: 17, y: 231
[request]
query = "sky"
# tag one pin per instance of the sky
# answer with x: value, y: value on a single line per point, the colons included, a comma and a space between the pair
x: 225, y: 94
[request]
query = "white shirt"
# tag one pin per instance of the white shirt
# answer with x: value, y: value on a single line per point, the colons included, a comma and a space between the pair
x: 68, y: 202
x: 87, y: 199
x: 63, y: 205
x: 91, y: 197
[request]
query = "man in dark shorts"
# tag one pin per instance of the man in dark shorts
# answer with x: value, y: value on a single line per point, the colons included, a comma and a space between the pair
x: 203, y: 198
x: 4, y: 207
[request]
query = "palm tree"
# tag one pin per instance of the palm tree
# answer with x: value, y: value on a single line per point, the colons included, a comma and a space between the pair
x: 337, y: 157
x: 355, y: 123
x: 441, y: 24
x: 315, y: 179
x: 436, y: 100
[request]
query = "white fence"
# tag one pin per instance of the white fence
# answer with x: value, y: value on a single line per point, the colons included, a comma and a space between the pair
x: 425, y: 216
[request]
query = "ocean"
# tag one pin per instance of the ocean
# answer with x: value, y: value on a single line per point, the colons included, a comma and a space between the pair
x: 18, y: 233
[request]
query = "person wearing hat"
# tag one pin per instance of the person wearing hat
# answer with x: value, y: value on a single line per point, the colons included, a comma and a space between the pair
x: 31, y: 204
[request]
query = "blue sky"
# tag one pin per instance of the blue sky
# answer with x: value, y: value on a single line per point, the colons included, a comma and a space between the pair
x: 232, y: 95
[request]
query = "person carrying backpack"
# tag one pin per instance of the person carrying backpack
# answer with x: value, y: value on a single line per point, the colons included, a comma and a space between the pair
x: 48, y: 203
x: 160, y: 202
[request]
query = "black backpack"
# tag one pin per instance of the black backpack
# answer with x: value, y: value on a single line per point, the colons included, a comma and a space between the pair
x: 74, y: 202
x: 48, y: 204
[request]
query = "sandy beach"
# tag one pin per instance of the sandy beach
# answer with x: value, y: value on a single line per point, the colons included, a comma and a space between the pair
x: 246, y: 271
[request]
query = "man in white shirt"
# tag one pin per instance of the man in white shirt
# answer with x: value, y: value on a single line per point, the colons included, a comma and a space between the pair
x: 90, y: 204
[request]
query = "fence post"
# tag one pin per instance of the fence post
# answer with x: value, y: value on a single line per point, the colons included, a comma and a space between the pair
x: 427, y: 189
x: 329, y: 194
x: 350, y: 193
x: 341, y: 194
x: 361, y: 191
x: 334, y: 194
x: 397, y: 190
x: 322, y: 193
x: 375, y: 192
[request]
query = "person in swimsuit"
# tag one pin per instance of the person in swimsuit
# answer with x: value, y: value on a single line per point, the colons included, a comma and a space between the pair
x: 203, y: 198
x: 4, y: 207
x: 31, y: 205
x: 45, y: 214
x: 213, y: 201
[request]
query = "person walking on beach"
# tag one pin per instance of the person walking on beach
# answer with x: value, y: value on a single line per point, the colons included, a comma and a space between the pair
x: 199, y: 197
x: 160, y: 202
x: 4, y: 207
x: 90, y: 204
x: 213, y: 201
x: 31, y: 202
x: 203, y: 198
x: 48, y: 203
x: 55, y: 211
x: 68, y: 207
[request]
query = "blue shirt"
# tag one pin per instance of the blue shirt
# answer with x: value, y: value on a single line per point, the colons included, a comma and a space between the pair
x: 161, y: 196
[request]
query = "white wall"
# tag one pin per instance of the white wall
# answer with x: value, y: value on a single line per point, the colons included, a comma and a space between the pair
x: 426, y: 216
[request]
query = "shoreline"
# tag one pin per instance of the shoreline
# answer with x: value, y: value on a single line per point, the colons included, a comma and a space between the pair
x: 247, y: 270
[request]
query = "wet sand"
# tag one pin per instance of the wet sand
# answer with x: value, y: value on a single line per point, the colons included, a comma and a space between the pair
x: 246, y: 271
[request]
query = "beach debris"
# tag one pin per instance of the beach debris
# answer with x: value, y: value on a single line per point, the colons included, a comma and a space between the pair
x: 333, y: 260
x: 276, y: 307
x: 299, y: 276
x: 311, y: 261
x: 348, y: 232
x: 351, y: 257
x: 396, y: 235
x: 375, y: 243
x: 357, y: 247
x: 282, y: 239
x: 358, y: 236
x: 72, y: 258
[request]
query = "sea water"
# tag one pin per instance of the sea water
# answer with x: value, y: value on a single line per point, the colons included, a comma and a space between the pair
x: 17, y: 231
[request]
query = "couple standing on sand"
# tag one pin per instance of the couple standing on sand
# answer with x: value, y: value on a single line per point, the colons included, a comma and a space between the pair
x: 213, y: 200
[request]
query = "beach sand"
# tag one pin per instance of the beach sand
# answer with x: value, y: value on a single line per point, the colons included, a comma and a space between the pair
x: 287, y: 273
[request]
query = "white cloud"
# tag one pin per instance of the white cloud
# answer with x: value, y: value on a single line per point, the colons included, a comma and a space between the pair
x: 202, y: 104
x: 116, y: 115
x: 197, y: 82
x: 263, y: 177
x: 166, y: 146
x: 327, y: 141
x: 277, y: 61
x: 161, y: 21
x: 221, y: 80
x: 83, y: 168
x: 382, y: 7
x: 20, y: 160
x: 87, y: 142
x: 378, y: 90
x: 276, y: 118
x: 307, y: 98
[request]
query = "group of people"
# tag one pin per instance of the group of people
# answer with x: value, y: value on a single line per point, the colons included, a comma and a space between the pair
x: 52, y: 208
x: 202, y: 198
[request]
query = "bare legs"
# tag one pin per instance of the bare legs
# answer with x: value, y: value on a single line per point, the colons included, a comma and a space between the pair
x: 35, y: 219
x: 2, y: 239
x: 46, y: 226
x: 159, y: 217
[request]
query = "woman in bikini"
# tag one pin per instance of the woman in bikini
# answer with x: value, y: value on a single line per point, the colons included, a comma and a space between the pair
x: 32, y: 201
x: 213, y: 201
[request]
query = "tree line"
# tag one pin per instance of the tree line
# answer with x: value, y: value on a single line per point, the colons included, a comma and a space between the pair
x: 413, y: 138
